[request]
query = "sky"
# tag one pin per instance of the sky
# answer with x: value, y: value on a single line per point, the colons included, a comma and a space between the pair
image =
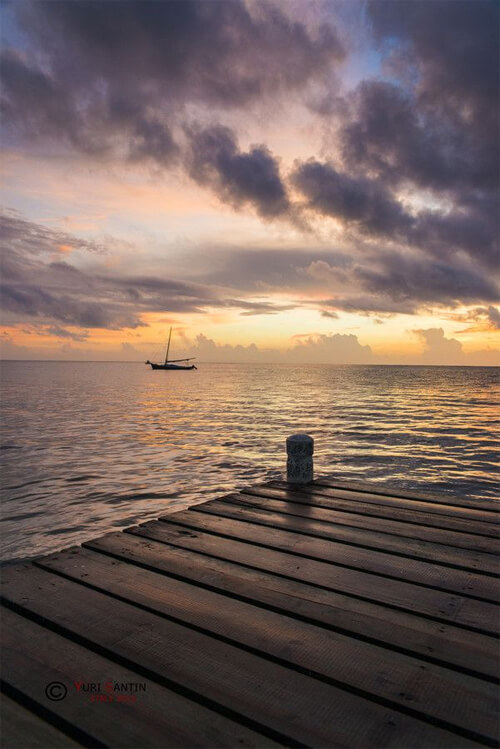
x: 299, y: 181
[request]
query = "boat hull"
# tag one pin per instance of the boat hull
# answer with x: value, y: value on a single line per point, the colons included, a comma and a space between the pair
x: 170, y: 366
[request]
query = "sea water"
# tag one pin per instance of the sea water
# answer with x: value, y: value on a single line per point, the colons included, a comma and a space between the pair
x: 89, y: 447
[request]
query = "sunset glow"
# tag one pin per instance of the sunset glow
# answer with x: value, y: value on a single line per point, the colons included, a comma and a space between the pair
x: 285, y: 180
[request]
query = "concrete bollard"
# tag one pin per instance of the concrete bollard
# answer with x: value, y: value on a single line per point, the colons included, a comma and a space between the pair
x: 299, y: 465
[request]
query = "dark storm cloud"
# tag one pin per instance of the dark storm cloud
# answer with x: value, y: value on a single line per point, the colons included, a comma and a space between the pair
x: 473, y: 231
x: 360, y: 201
x: 454, y: 46
x: 237, y: 177
x: 368, y: 206
x: 117, y: 74
x: 391, y: 134
x: 435, y: 125
x: 442, y: 130
x: 32, y: 100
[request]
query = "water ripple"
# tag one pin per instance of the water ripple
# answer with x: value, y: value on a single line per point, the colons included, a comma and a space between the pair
x: 91, y: 447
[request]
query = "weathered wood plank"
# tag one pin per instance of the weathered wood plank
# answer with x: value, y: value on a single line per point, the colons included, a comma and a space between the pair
x: 486, y: 517
x: 337, y: 657
x: 301, y: 708
x: 398, y: 522
x: 374, y: 488
x: 443, y: 644
x: 477, y: 615
x: 314, y: 522
x: 34, y: 656
x: 22, y: 729
x: 341, y: 500
x: 387, y: 565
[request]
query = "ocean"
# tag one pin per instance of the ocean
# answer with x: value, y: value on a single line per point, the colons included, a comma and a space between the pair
x: 90, y: 447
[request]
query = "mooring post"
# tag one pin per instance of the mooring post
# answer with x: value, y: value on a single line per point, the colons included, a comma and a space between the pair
x: 299, y: 464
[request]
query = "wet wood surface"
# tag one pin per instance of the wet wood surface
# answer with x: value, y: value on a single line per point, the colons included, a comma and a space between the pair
x: 329, y: 615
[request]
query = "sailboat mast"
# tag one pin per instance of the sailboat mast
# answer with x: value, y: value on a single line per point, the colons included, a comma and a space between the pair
x: 168, y: 346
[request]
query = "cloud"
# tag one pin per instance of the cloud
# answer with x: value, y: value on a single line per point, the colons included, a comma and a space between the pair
x: 480, y: 319
x: 259, y: 269
x: 492, y: 315
x: 313, y: 348
x: 441, y: 350
x: 24, y: 237
x: 361, y: 202
x: 416, y: 280
x: 402, y: 280
x: 452, y: 50
x: 63, y: 333
x: 385, y: 133
x: 438, y: 347
x: 331, y: 349
x: 433, y: 126
x: 410, y: 175
x: 117, y: 77
x: 258, y: 307
x: 55, y: 291
x: 237, y: 178
x: 368, y: 304
x: 367, y: 206
x: 339, y: 348
x: 441, y: 131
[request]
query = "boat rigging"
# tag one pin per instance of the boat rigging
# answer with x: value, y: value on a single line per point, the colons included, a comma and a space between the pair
x: 173, y: 363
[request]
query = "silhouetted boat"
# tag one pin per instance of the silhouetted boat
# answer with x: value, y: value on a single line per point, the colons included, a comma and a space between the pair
x: 173, y: 363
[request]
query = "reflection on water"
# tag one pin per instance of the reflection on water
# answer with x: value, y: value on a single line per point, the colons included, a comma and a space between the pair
x: 88, y: 447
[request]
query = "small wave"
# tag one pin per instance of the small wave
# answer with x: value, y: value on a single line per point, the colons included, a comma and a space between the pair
x: 88, y: 477
x: 23, y: 516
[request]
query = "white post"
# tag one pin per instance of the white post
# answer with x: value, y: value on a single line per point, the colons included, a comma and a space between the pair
x: 299, y: 465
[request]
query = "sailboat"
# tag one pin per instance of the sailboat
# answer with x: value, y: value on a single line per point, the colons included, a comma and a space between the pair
x: 173, y: 363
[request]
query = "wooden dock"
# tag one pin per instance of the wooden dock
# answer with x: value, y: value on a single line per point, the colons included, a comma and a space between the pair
x: 324, y: 615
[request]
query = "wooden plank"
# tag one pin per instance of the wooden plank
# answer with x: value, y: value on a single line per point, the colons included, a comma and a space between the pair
x: 477, y: 615
x: 325, y: 497
x: 239, y: 525
x: 443, y: 644
x: 337, y: 657
x: 22, y: 729
x: 483, y: 516
x: 311, y: 521
x: 300, y: 708
x: 374, y: 488
x: 34, y: 656
x: 401, y: 523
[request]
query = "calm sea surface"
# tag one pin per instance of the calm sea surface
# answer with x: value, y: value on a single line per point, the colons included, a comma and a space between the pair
x: 88, y: 447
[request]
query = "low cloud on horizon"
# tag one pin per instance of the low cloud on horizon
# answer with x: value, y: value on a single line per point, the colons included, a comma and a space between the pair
x: 310, y: 349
